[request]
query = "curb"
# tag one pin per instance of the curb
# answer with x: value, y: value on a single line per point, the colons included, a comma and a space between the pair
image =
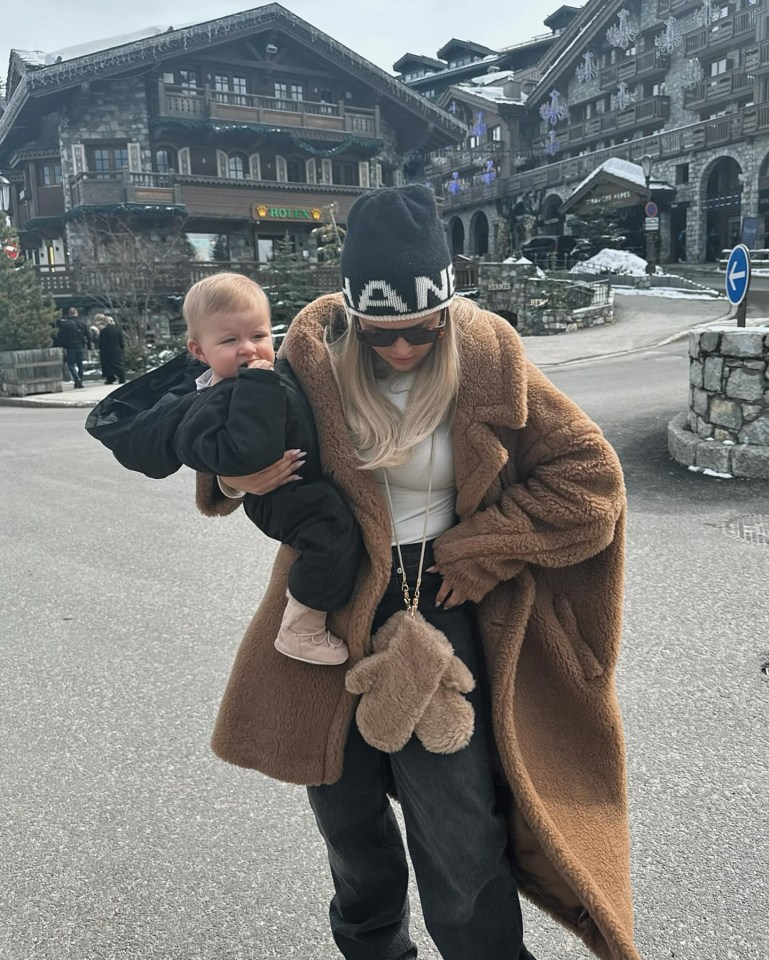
x: 34, y: 402
x: 713, y: 457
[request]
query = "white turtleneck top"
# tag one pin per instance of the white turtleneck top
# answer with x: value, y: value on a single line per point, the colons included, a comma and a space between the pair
x: 409, y: 482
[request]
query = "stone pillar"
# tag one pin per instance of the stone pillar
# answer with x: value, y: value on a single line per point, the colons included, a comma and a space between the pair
x: 726, y: 430
x: 664, y: 240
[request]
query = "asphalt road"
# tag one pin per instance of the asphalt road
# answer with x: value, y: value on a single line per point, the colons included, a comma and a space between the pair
x: 120, y: 611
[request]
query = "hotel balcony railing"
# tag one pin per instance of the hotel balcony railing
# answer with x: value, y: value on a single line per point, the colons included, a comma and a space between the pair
x: 757, y: 58
x: 667, y: 7
x: 204, y: 103
x: 678, y: 142
x: 640, y: 67
x: 650, y: 110
x: 475, y: 193
x: 205, y: 196
x: 444, y: 162
x: 715, y: 89
x: 736, y: 29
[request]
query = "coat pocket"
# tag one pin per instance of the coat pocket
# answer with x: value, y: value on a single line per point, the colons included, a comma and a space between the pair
x: 567, y: 619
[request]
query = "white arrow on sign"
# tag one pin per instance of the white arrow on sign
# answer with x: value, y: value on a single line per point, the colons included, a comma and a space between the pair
x: 736, y: 275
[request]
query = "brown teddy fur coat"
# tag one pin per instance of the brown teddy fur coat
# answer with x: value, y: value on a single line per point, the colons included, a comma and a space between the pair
x: 539, y: 546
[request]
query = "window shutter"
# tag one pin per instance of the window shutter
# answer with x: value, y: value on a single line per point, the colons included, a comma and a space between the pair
x: 79, y: 163
x: 221, y: 163
x: 311, y: 170
x: 327, y: 173
x: 397, y: 178
x: 281, y: 171
x: 255, y: 166
x: 183, y: 161
x: 364, y: 174
x: 134, y: 157
x: 377, y: 175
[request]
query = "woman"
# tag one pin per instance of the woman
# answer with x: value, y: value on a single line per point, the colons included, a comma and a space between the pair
x: 495, y: 509
x: 111, y: 350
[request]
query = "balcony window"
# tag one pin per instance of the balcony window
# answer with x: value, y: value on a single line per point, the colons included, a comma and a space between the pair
x: 188, y: 80
x: 296, y: 171
x: 230, y: 88
x: 49, y: 174
x: 345, y: 174
x: 296, y: 91
x: 496, y: 134
x: 165, y: 160
x: 236, y: 166
x: 106, y: 161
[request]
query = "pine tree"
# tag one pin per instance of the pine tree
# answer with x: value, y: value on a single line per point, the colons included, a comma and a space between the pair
x: 291, y: 286
x: 602, y: 228
x: 27, y: 315
x: 329, y: 238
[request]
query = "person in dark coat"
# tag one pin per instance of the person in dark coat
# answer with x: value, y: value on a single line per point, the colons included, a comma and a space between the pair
x: 248, y: 410
x: 75, y: 337
x: 111, y: 349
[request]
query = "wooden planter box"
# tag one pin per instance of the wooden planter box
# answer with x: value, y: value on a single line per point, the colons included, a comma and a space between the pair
x: 23, y: 372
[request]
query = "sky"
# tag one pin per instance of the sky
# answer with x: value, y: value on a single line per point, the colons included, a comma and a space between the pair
x: 379, y: 30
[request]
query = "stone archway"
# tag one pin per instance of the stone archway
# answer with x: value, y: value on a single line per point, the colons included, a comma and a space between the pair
x: 456, y: 236
x: 550, y: 219
x: 479, y: 233
x: 721, y: 191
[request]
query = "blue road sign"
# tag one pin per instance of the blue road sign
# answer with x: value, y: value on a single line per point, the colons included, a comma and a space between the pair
x: 651, y: 209
x: 738, y: 274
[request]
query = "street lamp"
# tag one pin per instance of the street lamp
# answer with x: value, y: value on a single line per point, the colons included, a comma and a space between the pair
x: 646, y: 165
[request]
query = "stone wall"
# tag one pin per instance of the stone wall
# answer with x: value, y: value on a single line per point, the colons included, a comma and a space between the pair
x: 727, y: 427
x: 536, y: 304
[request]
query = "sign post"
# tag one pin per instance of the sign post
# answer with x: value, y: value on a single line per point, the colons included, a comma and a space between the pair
x: 737, y: 280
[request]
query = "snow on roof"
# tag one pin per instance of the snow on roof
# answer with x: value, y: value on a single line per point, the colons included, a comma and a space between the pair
x: 106, y: 43
x: 566, y: 50
x: 497, y: 77
x: 496, y: 95
x: 33, y: 58
x: 625, y: 170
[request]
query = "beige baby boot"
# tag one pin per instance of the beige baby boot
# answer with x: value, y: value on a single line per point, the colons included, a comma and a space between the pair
x: 303, y: 635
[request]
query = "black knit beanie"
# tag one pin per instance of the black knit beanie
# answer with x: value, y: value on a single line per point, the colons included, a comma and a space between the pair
x: 396, y: 263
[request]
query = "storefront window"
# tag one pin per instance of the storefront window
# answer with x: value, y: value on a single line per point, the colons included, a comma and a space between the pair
x: 208, y: 247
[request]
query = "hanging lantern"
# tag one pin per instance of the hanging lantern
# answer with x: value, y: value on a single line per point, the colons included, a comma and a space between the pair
x: 552, y: 144
x: 622, y: 98
x: 489, y: 174
x: 479, y: 127
x: 455, y: 184
x: 708, y: 13
x: 668, y: 41
x: 555, y: 110
x: 588, y: 69
x: 692, y: 73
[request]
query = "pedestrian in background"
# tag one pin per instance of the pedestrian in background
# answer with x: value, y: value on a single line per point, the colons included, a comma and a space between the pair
x: 75, y: 337
x: 111, y: 349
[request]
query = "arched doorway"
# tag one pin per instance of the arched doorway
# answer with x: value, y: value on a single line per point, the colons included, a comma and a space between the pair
x: 457, y: 236
x: 763, y: 200
x: 550, y: 219
x: 723, y: 206
x: 479, y: 231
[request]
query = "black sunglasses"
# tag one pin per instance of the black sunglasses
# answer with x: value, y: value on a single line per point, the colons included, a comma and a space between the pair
x: 416, y: 336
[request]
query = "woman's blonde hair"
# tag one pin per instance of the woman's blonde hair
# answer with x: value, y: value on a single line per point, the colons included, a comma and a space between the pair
x: 383, y: 435
x: 220, y: 293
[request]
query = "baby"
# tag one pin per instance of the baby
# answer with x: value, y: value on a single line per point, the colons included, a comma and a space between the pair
x: 248, y: 411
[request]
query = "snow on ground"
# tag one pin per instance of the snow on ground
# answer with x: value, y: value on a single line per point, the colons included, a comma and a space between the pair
x: 612, y: 261
x: 672, y: 293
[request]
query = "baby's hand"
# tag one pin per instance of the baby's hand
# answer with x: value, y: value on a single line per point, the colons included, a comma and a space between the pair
x: 260, y: 365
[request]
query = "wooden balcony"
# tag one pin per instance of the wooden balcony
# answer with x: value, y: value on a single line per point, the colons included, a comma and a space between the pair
x: 667, y: 7
x: 474, y: 194
x: 641, y: 67
x: 652, y: 110
x: 757, y: 59
x: 720, y: 89
x: 443, y: 163
x: 94, y: 189
x: 204, y: 103
x: 211, y: 197
x: 734, y: 30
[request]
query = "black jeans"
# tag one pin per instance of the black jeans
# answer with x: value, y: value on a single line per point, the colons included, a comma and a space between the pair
x: 455, y: 829
x: 75, y: 357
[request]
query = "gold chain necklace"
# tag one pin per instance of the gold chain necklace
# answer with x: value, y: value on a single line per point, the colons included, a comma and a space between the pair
x: 411, y: 605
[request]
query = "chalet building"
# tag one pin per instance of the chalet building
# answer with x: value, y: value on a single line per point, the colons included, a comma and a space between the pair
x: 240, y: 130
x: 683, y: 82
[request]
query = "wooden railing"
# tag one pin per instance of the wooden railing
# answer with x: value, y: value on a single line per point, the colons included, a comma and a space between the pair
x: 725, y: 29
x: 718, y: 88
x: 643, y: 65
x: 205, y: 103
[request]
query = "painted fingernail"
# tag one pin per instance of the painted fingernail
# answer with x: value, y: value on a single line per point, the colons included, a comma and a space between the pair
x: 299, y: 463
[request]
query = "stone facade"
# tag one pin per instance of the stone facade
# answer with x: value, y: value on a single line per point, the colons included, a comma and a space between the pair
x: 727, y: 427
x: 541, y: 307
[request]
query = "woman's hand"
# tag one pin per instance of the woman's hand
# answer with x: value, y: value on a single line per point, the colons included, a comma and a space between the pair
x: 265, y: 481
x: 447, y: 596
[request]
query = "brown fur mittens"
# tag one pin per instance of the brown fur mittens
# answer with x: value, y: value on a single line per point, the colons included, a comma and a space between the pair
x: 412, y: 683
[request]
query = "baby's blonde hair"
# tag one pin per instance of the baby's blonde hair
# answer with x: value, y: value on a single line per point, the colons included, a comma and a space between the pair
x: 220, y: 293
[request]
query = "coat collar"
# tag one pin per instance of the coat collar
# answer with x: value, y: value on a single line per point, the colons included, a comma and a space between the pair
x: 492, y: 397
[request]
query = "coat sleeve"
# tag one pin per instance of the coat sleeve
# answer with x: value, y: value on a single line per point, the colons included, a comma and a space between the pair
x: 560, y: 507
x: 236, y: 427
